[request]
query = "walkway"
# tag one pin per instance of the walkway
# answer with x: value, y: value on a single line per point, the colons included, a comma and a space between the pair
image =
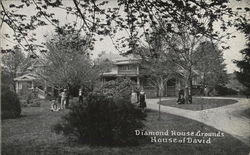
x: 226, y: 118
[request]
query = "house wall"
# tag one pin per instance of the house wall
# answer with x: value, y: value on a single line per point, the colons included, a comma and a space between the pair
x: 129, y: 69
x: 23, y: 88
x: 170, y: 89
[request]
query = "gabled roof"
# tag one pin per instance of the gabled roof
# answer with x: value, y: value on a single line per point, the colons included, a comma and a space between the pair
x: 126, y: 61
x: 117, y: 58
x: 26, y: 77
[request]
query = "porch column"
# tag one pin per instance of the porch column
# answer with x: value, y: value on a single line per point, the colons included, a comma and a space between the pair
x: 138, y: 81
x: 17, y: 87
x: 138, y: 73
x: 137, y: 69
x: 32, y: 84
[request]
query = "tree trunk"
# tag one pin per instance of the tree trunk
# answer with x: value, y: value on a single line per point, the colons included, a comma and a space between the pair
x: 159, y: 104
x: 188, y: 89
x: 186, y: 93
x: 204, y: 85
x: 161, y: 88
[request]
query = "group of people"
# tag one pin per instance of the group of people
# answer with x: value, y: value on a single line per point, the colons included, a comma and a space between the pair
x: 139, y: 98
x: 181, y: 98
x: 63, y: 99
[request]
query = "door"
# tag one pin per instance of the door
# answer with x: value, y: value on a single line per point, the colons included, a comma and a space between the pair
x: 170, y: 88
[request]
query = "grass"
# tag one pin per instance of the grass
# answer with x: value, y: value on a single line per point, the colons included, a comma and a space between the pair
x: 31, y: 134
x: 199, y: 103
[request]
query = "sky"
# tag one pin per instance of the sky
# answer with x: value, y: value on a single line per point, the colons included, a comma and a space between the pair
x: 236, y: 44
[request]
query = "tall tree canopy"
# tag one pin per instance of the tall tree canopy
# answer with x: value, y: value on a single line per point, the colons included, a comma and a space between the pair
x: 209, y: 62
x: 134, y: 17
x: 14, y: 63
x: 156, y: 61
x: 67, y: 63
x: 244, y: 64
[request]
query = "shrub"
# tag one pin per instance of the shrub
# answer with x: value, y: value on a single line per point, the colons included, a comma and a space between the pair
x: 31, y: 96
x: 103, y: 121
x: 245, y: 92
x: 222, y: 91
x: 10, y: 104
x: 118, y: 89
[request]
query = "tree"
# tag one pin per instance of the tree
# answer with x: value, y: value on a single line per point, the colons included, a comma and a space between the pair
x: 132, y: 16
x: 244, y: 64
x: 209, y: 62
x: 67, y: 63
x: 137, y: 18
x: 157, y: 65
x: 180, y: 48
x: 102, y: 64
x: 13, y: 63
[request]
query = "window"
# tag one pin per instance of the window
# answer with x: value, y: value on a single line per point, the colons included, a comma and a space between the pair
x: 29, y: 84
x: 127, y: 67
x: 123, y: 67
x: 19, y: 85
x: 194, y: 81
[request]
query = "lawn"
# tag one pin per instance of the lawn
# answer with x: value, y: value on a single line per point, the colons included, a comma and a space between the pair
x: 199, y: 103
x: 31, y: 134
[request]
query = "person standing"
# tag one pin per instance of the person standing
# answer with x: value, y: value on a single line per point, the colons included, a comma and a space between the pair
x: 59, y: 99
x: 142, y: 100
x: 63, y: 98
x: 80, y: 96
x: 134, y: 98
x: 67, y: 99
x: 181, y: 97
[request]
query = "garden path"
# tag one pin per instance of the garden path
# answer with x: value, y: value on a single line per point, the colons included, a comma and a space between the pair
x: 226, y: 118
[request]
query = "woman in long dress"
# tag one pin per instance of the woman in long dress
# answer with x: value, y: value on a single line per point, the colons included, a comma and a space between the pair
x: 134, y: 99
x: 143, y: 104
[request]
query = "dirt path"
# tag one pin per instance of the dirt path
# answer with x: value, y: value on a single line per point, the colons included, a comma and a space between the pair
x: 226, y: 118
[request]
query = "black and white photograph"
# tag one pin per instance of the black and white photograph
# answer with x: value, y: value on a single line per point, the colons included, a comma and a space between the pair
x: 125, y: 77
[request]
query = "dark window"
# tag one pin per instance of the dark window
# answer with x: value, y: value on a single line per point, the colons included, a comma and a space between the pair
x: 29, y: 84
x: 127, y: 67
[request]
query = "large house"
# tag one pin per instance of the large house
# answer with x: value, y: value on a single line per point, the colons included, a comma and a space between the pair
x: 130, y: 67
x: 122, y: 66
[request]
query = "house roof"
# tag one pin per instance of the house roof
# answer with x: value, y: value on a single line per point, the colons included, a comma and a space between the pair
x: 126, y: 60
x: 109, y: 56
x: 113, y: 72
x: 118, y: 59
x: 26, y: 77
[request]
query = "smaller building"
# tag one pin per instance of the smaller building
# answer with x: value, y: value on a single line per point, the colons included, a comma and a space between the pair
x: 25, y: 82
x: 29, y: 82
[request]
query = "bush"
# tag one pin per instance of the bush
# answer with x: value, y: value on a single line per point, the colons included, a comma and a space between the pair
x: 222, y: 91
x: 10, y: 104
x: 118, y: 89
x: 245, y: 92
x: 102, y: 121
x: 32, y: 103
